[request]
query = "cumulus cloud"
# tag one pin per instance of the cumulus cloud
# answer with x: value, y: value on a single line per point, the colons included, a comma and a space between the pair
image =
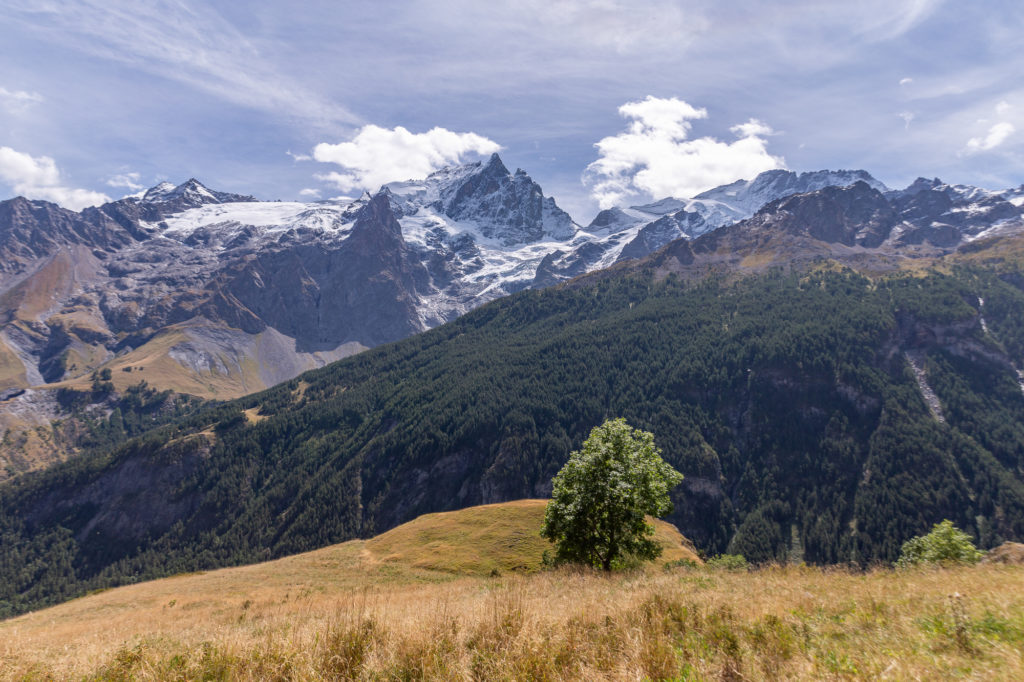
x: 310, y: 192
x: 128, y: 181
x: 996, y: 135
x: 37, y: 177
x: 906, y: 81
x: 654, y: 156
x: 908, y: 117
x: 376, y: 156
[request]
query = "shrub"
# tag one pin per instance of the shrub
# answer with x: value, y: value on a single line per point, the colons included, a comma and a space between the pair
x: 729, y: 562
x: 944, y: 544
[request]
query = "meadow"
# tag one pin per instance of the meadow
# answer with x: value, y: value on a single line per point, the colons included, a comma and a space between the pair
x: 415, y: 604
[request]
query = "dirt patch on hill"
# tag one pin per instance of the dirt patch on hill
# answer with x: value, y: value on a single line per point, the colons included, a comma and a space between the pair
x: 1006, y: 553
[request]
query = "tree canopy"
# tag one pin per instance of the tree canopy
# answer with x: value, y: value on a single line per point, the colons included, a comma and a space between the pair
x: 603, y: 494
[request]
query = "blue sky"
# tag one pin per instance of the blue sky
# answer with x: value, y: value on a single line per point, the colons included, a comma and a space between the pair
x: 601, y: 101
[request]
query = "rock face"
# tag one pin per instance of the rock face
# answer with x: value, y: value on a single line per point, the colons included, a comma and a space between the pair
x: 217, y: 294
x: 856, y: 224
x: 857, y: 215
x: 514, y: 211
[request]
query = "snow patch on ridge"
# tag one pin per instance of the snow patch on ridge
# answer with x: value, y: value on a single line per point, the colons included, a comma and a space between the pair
x: 270, y: 218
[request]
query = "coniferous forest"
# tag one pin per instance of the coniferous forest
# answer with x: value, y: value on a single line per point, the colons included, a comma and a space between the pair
x: 792, y: 401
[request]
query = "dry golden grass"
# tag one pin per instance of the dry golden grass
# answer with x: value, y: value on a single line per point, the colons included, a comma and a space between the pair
x: 151, y: 362
x: 494, y: 537
x: 37, y: 293
x: 349, y: 612
x: 253, y: 416
x: 12, y: 370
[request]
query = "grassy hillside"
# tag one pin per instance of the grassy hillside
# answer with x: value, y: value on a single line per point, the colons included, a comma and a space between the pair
x: 794, y: 402
x: 424, y: 601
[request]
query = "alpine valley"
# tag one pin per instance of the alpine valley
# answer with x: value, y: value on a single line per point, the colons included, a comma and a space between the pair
x: 833, y: 365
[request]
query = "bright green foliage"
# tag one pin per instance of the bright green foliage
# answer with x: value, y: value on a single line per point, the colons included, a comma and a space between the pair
x: 944, y: 544
x: 601, y: 497
x: 729, y: 562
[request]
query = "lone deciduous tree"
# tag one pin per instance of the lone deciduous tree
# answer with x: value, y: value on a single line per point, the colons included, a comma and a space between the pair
x: 603, y: 494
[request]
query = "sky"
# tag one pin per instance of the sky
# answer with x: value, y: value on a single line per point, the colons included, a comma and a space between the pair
x: 602, y: 102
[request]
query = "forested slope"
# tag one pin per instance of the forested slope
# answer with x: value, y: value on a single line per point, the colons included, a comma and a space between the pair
x: 788, y: 399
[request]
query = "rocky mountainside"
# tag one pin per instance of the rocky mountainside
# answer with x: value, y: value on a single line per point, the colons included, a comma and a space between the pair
x: 218, y: 295
x: 857, y: 225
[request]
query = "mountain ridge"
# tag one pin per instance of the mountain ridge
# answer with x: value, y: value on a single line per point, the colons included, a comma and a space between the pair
x: 217, y: 295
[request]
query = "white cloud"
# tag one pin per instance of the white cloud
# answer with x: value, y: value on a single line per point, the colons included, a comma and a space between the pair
x: 39, y: 178
x: 906, y: 81
x: 887, y: 19
x: 375, y: 155
x: 654, y: 157
x: 125, y: 180
x: 908, y: 117
x: 310, y: 192
x: 752, y: 128
x: 625, y: 25
x: 188, y: 42
x: 619, y: 26
x: 18, y: 99
x: 996, y: 135
x: 1002, y: 107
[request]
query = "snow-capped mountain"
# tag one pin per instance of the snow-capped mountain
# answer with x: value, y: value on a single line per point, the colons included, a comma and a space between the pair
x: 618, y: 234
x: 219, y: 294
x: 1015, y: 196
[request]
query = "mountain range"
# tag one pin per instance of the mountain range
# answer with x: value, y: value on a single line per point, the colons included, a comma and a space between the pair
x: 218, y: 295
x: 832, y: 374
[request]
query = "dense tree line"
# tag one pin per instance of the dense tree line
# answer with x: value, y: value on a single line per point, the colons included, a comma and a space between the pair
x: 784, y: 398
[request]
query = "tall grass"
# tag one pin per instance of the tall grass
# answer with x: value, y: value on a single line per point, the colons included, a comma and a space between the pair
x: 681, y: 624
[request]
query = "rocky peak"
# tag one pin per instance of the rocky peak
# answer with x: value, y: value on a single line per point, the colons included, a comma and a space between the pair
x: 857, y: 214
x: 748, y: 196
x: 189, y: 194
x: 921, y: 185
x: 31, y: 229
x: 376, y: 229
x: 509, y: 208
x: 611, y: 220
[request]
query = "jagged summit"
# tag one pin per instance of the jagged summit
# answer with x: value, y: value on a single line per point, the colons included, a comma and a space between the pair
x: 508, y: 208
x: 749, y: 195
x: 655, y: 224
x: 957, y: 194
x: 189, y: 194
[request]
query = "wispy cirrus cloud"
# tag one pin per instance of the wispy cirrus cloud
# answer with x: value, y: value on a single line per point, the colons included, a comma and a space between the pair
x: 188, y: 43
x: 19, y: 97
x: 375, y: 156
x: 37, y: 177
x: 654, y: 156
x: 129, y: 181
